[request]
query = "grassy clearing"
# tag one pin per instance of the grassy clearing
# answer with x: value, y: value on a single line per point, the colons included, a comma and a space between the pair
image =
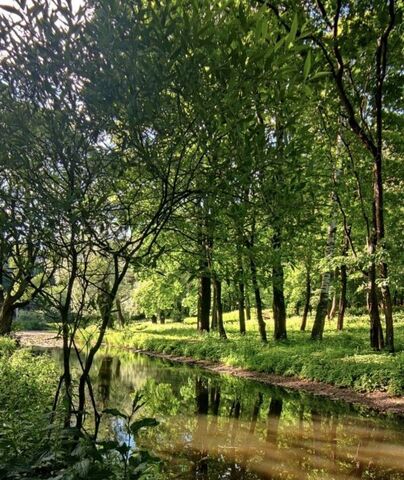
x: 342, y: 358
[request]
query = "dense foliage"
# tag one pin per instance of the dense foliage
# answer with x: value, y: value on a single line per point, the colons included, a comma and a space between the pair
x: 175, y: 158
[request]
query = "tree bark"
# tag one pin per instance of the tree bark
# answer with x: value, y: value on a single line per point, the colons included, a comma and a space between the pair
x: 278, y: 306
x: 219, y: 306
x: 306, y: 300
x: 6, y: 319
x: 344, y: 279
x: 376, y: 333
x: 121, y: 318
x: 333, y: 307
x: 162, y: 317
x: 241, y: 308
x: 241, y: 294
x: 214, y: 306
x: 258, y: 302
x: 322, y: 306
x: 247, y: 307
x: 205, y: 298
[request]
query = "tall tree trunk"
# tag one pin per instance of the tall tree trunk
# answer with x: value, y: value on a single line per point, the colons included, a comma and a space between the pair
x: 342, y: 298
x: 121, y: 318
x: 219, y: 306
x: 214, y: 306
x: 6, y: 318
x: 333, y: 307
x: 343, y: 278
x: 241, y: 308
x: 258, y: 302
x: 376, y: 332
x: 241, y: 294
x: 279, y: 308
x: 205, y: 298
x: 247, y: 307
x: 322, y: 306
x: 306, y: 300
x: 162, y: 316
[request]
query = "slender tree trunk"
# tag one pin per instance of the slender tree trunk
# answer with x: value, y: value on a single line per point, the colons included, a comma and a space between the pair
x: 388, y: 309
x: 333, y: 307
x: 247, y: 307
x: 121, y: 318
x: 67, y: 377
x: 214, y: 306
x: 219, y: 306
x: 279, y: 308
x: 344, y: 279
x: 258, y: 302
x: 205, y: 298
x: 241, y: 295
x: 306, y: 300
x: 376, y: 332
x: 241, y: 308
x: 342, y: 298
x: 322, y: 306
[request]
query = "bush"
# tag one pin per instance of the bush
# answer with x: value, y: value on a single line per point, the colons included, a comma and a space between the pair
x: 27, y: 386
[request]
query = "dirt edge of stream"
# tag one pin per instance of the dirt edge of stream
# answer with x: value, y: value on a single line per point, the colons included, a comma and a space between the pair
x: 378, y: 401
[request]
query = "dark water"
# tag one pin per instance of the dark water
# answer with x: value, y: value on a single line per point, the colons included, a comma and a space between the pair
x: 219, y: 427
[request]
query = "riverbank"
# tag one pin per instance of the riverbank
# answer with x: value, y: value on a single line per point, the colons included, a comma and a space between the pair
x: 379, y: 401
x: 342, y: 366
x: 38, y: 338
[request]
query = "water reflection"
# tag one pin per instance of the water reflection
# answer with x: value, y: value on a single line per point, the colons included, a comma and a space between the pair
x: 217, y: 427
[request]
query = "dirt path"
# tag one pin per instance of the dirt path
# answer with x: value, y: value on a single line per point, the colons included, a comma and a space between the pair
x: 38, y: 338
x: 378, y: 401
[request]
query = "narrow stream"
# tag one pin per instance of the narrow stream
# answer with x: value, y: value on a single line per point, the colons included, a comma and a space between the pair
x: 220, y: 427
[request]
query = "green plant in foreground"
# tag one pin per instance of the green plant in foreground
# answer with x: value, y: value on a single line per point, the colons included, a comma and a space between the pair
x: 136, y: 462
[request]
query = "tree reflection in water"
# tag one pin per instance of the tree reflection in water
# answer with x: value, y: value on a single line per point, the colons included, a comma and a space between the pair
x: 219, y: 427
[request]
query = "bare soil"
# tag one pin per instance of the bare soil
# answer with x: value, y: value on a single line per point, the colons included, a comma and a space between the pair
x: 39, y: 338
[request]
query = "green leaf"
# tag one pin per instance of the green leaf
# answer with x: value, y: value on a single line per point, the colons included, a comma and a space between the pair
x: 307, y: 65
x: 115, y: 412
x: 320, y: 75
x: 144, y: 422
x: 293, y: 30
x: 279, y: 43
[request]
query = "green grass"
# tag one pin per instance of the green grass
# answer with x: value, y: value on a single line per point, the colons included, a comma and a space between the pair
x: 342, y: 358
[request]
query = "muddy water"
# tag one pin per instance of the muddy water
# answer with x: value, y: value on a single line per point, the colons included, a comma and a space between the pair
x: 219, y: 427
